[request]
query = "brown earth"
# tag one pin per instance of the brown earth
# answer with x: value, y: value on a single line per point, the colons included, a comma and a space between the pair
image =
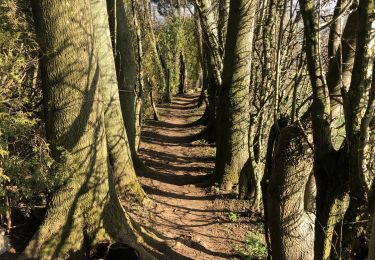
x: 196, y: 222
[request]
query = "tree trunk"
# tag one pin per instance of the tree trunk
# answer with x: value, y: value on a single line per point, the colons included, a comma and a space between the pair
x: 272, y: 138
x: 223, y: 23
x: 359, y: 110
x: 331, y: 195
x: 117, y: 140
x: 86, y: 209
x: 292, y: 220
x: 140, y: 85
x: 209, y: 29
x: 234, y: 101
x: 126, y: 67
x: 152, y: 102
x: 182, y: 81
x: 340, y: 73
x: 371, y: 251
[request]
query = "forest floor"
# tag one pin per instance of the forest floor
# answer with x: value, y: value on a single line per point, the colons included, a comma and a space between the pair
x: 195, y: 222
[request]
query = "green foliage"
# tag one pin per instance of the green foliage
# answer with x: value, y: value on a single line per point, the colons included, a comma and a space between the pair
x: 177, y: 34
x: 233, y: 216
x: 254, y: 247
x: 25, y: 161
x: 215, y: 188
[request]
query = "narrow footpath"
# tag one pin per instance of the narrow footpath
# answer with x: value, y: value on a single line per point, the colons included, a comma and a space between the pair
x: 195, y: 222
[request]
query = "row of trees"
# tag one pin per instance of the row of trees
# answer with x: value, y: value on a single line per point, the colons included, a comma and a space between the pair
x: 290, y: 96
x: 290, y: 85
x: 92, y: 71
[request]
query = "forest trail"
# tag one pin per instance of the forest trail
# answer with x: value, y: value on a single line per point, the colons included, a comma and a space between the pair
x: 192, y: 220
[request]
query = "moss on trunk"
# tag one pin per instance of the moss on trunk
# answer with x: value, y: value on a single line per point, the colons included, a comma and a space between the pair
x: 117, y: 140
x: 86, y: 209
x: 233, y: 116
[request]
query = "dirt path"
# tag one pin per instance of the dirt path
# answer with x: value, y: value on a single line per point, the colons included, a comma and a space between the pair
x: 192, y: 219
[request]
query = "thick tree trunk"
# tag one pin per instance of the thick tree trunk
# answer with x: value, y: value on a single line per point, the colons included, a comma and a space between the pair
x: 86, y: 209
x: 331, y: 195
x: 234, y: 101
x: 117, y: 140
x: 292, y: 220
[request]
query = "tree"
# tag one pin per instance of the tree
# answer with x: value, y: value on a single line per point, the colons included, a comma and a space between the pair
x: 330, y: 165
x: 116, y: 136
x: 234, y: 103
x: 86, y: 209
x: 182, y: 76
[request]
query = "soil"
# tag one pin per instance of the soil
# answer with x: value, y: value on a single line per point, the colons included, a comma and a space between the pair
x: 191, y: 221
x: 195, y: 222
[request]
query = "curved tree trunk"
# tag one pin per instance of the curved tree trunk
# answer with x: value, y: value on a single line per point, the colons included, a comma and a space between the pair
x: 234, y: 101
x: 292, y: 221
x: 117, y: 140
x: 86, y: 209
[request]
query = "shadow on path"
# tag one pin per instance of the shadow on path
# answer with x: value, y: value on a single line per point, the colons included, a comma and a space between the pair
x: 182, y: 212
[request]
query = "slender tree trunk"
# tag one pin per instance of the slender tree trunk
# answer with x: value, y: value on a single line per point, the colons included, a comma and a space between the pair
x: 234, y: 101
x: 223, y: 23
x: 126, y: 67
x: 154, y: 44
x: 140, y: 85
x: 371, y: 251
x: 152, y: 102
x: 182, y: 81
x: 209, y: 28
x: 359, y: 108
x: 272, y: 139
x: 340, y: 72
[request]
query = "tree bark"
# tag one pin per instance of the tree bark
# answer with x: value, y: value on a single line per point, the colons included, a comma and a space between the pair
x: 292, y: 220
x: 223, y: 23
x: 117, y: 140
x: 126, y: 67
x: 86, y: 209
x: 359, y: 111
x: 371, y: 251
x: 140, y: 74
x: 234, y: 102
x: 182, y: 81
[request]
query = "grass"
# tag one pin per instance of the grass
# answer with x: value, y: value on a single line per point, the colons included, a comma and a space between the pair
x: 233, y: 216
x: 254, y: 247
